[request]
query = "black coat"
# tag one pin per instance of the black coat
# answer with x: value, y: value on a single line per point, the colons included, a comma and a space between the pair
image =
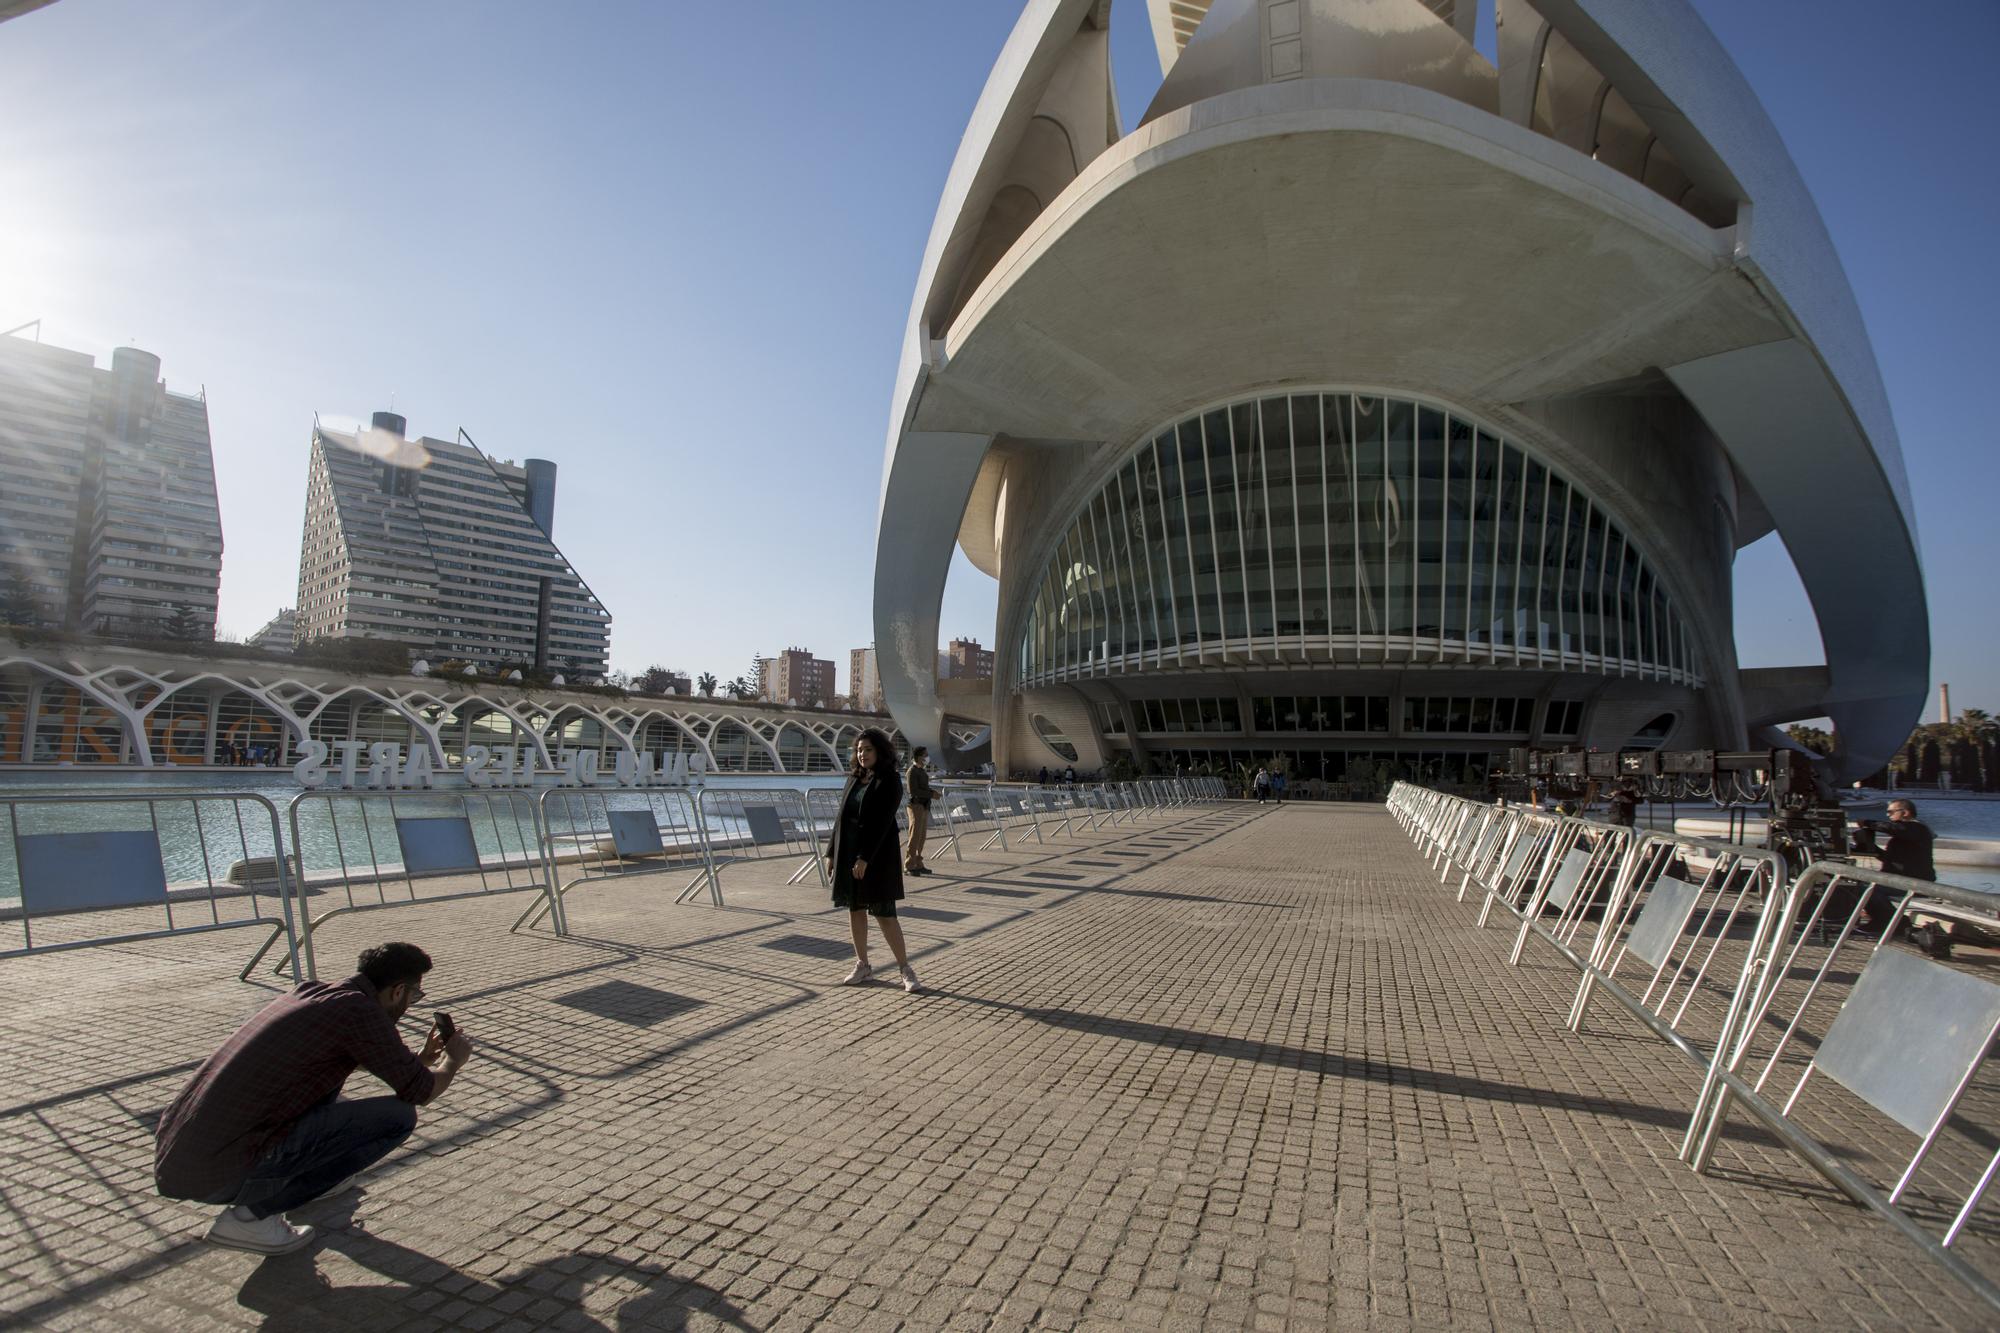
x: 879, y: 843
x: 1908, y: 851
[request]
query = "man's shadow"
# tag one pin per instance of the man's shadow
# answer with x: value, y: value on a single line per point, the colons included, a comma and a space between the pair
x: 290, y: 1292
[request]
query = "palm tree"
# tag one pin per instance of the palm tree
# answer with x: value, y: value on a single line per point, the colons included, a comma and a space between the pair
x: 707, y: 683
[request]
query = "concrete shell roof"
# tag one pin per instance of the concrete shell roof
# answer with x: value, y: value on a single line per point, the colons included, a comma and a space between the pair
x: 1262, y: 207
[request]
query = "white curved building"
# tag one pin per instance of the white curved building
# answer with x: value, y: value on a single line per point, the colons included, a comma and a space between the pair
x: 1370, y: 402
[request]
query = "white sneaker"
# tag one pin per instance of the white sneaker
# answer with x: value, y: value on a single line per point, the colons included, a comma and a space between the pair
x: 910, y: 982
x: 266, y: 1235
x: 860, y: 976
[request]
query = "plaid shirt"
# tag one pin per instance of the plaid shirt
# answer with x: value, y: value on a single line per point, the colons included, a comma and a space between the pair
x: 296, y: 1053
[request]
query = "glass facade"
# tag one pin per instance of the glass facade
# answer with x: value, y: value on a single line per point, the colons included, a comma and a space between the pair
x: 1349, y: 528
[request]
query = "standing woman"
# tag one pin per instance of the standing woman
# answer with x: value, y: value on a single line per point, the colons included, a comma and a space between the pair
x: 862, y: 857
x: 919, y: 783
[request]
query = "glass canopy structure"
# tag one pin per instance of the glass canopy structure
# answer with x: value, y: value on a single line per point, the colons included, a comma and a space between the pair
x: 1345, y: 527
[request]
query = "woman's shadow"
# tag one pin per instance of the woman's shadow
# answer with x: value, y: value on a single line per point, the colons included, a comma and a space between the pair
x: 289, y: 1291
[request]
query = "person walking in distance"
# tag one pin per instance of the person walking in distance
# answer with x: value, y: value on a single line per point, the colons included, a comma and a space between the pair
x: 259, y: 1128
x: 1260, y: 783
x: 918, y: 782
x: 1624, y: 804
x: 861, y: 855
x: 1278, y: 784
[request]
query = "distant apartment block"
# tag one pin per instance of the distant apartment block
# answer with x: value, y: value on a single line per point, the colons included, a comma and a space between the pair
x: 278, y: 632
x: 964, y: 659
x: 108, y: 516
x: 434, y: 546
x: 864, y: 681
x: 795, y: 676
x: 662, y: 680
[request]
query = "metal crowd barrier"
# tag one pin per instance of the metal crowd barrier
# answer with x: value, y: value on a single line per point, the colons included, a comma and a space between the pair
x: 1758, y: 983
x: 394, y: 848
x: 1585, y: 863
x: 593, y: 835
x: 968, y: 808
x: 759, y: 823
x: 82, y: 870
x: 1056, y: 805
x: 1905, y: 1036
x: 1012, y: 808
x: 1443, y: 836
x: 1693, y: 918
x: 1482, y: 840
x: 1097, y: 798
x: 1514, y: 873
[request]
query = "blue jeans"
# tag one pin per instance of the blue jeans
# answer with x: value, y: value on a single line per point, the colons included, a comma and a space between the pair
x: 330, y: 1142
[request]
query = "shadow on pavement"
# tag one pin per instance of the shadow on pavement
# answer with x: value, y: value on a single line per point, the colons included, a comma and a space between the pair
x: 290, y: 1291
x: 1333, y: 1065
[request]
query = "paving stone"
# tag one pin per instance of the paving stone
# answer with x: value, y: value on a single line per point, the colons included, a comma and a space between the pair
x: 1267, y: 1075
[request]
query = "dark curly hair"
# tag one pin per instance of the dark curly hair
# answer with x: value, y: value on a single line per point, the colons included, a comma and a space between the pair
x: 387, y: 965
x: 885, y: 750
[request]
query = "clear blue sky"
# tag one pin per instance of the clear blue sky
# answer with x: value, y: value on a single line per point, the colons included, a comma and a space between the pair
x: 671, y: 246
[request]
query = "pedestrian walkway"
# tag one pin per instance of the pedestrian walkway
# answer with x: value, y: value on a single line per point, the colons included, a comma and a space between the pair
x: 1250, y: 1070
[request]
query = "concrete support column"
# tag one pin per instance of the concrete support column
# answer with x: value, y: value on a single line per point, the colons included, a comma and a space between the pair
x: 922, y: 505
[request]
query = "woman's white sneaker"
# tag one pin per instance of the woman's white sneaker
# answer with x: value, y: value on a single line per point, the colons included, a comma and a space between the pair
x: 861, y: 975
x: 265, y: 1235
x: 910, y: 982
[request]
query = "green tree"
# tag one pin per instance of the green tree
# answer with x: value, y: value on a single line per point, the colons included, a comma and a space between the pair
x: 183, y: 627
x: 741, y: 688
x: 1816, y: 739
x: 1929, y: 761
x: 707, y: 684
x: 653, y: 680
x: 18, y: 604
x: 1979, y: 732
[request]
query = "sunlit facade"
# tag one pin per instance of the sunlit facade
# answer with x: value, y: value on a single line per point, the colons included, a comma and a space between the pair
x: 1383, y: 403
x: 443, y: 551
x: 108, y: 515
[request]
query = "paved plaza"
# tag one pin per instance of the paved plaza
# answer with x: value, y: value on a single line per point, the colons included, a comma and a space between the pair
x: 1251, y: 1069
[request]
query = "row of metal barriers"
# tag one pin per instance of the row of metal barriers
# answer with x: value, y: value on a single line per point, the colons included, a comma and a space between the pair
x: 79, y: 870
x: 1765, y: 982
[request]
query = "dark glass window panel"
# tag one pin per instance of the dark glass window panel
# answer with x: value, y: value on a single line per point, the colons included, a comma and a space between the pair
x: 1482, y: 717
x: 1430, y: 484
x: 1342, y: 514
x: 1234, y: 483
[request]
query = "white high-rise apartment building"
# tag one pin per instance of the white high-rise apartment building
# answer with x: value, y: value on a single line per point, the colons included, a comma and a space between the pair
x: 864, y: 681
x: 108, y: 515
x: 432, y: 545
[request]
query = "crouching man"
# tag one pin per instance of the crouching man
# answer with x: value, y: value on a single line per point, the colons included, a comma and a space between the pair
x: 259, y: 1128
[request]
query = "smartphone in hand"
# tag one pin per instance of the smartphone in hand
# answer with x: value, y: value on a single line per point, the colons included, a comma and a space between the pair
x: 442, y: 1029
